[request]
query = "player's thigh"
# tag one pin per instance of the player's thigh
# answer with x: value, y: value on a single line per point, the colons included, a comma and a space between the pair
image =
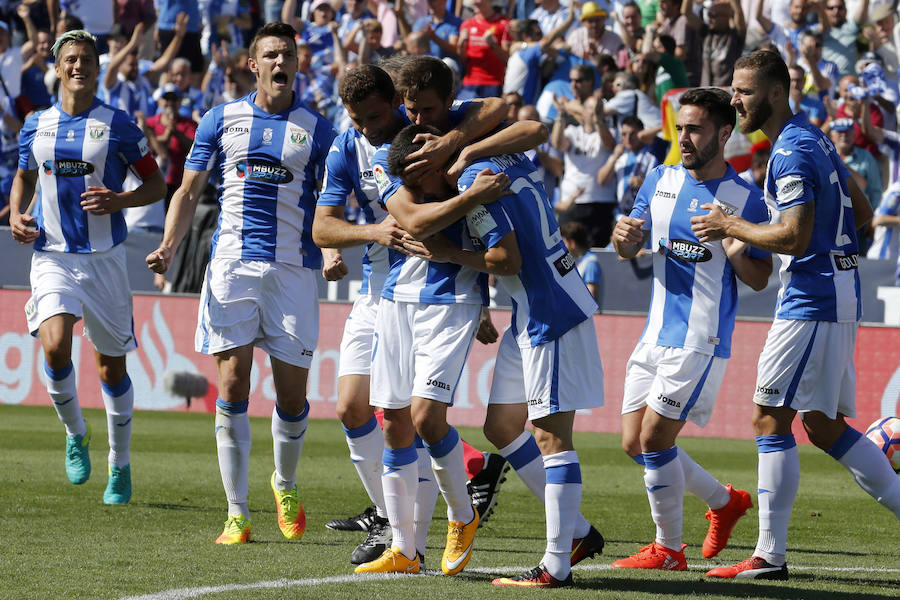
x: 233, y: 370
x: 808, y: 366
x: 353, y: 407
x: 640, y: 371
x: 392, y: 357
x: 106, y: 296
x: 356, y: 342
x: 289, y: 314
x: 442, y: 337
x: 508, y: 380
x: 686, y: 385
x: 563, y: 375
x: 54, y: 291
x: 290, y: 386
x: 229, y: 312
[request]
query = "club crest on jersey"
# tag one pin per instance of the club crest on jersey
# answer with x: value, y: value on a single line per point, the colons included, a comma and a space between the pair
x: 70, y: 136
x: 265, y: 172
x: 381, y: 178
x: 268, y: 134
x: 726, y: 208
x: 97, y: 133
x: 694, y: 203
x: 298, y: 136
x: 684, y: 250
x: 68, y: 168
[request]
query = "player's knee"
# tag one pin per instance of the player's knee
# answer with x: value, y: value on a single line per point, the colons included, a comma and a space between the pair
x: 354, y: 414
x: 58, y: 355
x: 234, y: 388
x: 430, y: 426
x: 631, y: 445
x: 111, y: 372
x: 500, y: 433
x: 822, y: 431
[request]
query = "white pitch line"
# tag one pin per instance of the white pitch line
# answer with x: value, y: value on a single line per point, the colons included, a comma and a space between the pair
x: 182, y: 593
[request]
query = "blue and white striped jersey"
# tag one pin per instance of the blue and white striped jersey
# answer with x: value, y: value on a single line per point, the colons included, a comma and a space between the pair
x: 72, y: 152
x: 823, y: 284
x: 130, y: 96
x: 412, y: 279
x: 348, y: 168
x: 886, y: 244
x: 694, y: 294
x: 269, y: 165
x: 548, y: 294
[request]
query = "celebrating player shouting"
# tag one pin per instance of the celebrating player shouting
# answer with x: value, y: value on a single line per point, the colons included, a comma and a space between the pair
x: 80, y: 150
x: 260, y: 285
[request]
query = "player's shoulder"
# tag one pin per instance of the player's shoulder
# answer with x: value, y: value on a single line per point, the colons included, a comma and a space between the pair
x: 31, y: 121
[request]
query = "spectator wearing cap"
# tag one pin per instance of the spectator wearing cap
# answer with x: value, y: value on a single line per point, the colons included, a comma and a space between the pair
x: 171, y: 136
x: 840, y: 32
x: 593, y: 38
x: 484, y: 47
x: 190, y: 98
x: 441, y: 28
x: 723, y: 35
x: 868, y: 120
x: 810, y: 104
x: 688, y: 46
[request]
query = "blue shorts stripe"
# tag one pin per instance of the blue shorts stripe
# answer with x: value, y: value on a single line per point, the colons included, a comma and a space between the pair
x: 399, y: 457
x: 444, y: 446
x: 695, y: 395
x: 525, y: 454
x: 358, y: 432
x: 846, y: 440
x: 232, y: 408
x: 554, y: 383
x: 114, y: 391
x: 560, y: 474
x: 58, y: 374
x: 774, y: 443
x: 655, y: 460
x: 795, y: 381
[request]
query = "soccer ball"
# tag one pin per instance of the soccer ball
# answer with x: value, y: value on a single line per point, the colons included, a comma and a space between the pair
x: 886, y: 435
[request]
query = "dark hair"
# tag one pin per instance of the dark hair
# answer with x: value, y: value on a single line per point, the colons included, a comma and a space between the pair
x: 585, y: 71
x: 403, y: 146
x: 365, y: 81
x: 577, y: 232
x: 72, y: 23
x: 768, y: 66
x: 425, y: 73
x: 715, y: 100
x: 276, y: 29
x: 634, y: 4
x: 605, y: 62
x: 632, y: 121
x: 667, y: 42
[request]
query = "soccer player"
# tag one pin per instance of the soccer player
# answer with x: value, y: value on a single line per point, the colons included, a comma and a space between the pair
x: 260, y: 285
x: 552, y: 318
x: 426, y: 322
x: 371, y: 100
x: 676, y: 369
x: 80, y: 150
x: 806, y: 365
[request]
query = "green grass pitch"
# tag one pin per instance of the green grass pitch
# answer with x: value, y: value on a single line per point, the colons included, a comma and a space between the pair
x: 59, y: 541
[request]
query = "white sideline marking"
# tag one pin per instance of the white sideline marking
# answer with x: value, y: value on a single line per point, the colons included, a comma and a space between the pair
x: 179, y: 594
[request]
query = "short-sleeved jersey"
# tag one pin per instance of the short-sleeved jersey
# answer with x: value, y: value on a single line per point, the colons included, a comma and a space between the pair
x: 72, y: 152
x: 886, y: 244
x: 548, y: 294
x: 823, y: 283
x: 269, y: 165
x: 589, y: 268
x: 348, y: 169
x: 694, y: 295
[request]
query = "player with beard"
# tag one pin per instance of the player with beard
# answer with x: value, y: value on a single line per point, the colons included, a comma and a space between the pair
x: 806, y: 365
x: 260, y: 285
x: 676, y: 369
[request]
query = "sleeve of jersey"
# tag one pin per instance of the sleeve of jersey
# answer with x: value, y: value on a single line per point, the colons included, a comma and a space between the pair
x: 26, y: 138
x: 458, y: 111
x: 488, y: 222
x: 336, y: 185
x: 641, y: 208
x: 387, y: 185
x: 325, y: 135
x: 206, y: 143
x: 134, y: 147
x: 790, y: 172
x: 592, y: 272
x: 756, y: 211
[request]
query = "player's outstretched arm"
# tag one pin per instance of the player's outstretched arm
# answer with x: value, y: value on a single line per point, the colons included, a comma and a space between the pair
x: 791, y: 236
x: 753, y: 271
x: 331, y: 230
x: 21, y: 223
x: 517, y: 137
x: 178, y: 219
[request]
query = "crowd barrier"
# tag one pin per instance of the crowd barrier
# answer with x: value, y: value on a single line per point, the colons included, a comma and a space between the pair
x: 164, y: 327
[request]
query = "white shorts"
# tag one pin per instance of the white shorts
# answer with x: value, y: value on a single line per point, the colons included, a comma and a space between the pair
x: 93, y: 286
x: 676, y: 383
x: 559, y: 376
x: 359, y: 331
x: 420, y: 350
x: 272, y: 305
x: 808, y: 365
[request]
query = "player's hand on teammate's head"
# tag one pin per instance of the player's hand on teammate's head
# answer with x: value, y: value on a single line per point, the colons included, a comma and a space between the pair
x: 160, y: 260
x: 489, y: 186
x: 434, y: 154
x: 22, y: 227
